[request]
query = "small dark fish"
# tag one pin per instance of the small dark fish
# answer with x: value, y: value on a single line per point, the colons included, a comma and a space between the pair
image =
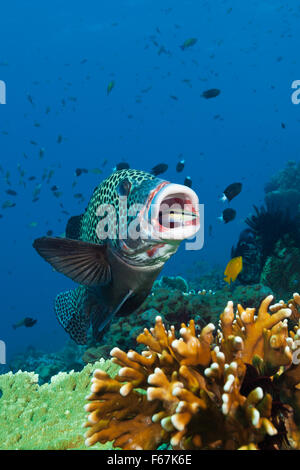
x: 27, y: 322
x: 110, y: 86
x: 180, y: 166
x: 228, y: 215
x: 54, y: 188
x: 188, y: 181
x: 78, y: 196
x: 59, y: 139
x: 8, y: 204
x: 29, y: 97
x: 32, y: 178
x: 79, y: 171
x: 174, y: 97
x: 96, y: 171
x: 283, y: 125
x: 122, y: 166
x: 50, y: 233
x: 187, y: 81
x: 145, y: 90
x: 188, y: 43
x: 231, y: 191
x: 159, y: 169
x: 11, y: 192
x: 211, y: 93
x: 161, y: 50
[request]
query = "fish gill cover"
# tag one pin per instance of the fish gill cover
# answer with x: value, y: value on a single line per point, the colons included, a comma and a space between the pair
x: 156, y: 102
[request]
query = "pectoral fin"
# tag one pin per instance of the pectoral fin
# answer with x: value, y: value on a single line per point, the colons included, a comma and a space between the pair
x: 83, y: 262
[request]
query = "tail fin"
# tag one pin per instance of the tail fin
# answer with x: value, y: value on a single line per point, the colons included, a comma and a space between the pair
x: 71, y: 312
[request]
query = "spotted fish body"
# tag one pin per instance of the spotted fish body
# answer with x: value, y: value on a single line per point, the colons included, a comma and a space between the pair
x: 107, y: 193
x: 114, y: 269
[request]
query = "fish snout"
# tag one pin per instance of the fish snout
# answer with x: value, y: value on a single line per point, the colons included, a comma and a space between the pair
x: 173, y: 213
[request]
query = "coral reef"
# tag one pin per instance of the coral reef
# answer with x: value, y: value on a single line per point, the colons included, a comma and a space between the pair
x: 236, y: 388
x: 283, y: 190
x: 200, y: 275
x: 48, y: 416
x: 171, y: 282
x: 48, y: 364
x: 288, y: 178
x: 278, y: 222
x: 281, y: 271
x: 175, y: 307
x: 271, y: 224
x: 248, y: 248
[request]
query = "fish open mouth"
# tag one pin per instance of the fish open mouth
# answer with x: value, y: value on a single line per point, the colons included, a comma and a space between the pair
x: 173, y: 212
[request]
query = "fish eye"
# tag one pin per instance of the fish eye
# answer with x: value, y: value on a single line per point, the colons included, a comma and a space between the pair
x: 124, y: 187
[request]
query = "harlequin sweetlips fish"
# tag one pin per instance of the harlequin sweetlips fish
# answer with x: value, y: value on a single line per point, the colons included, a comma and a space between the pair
x: 132, y: 225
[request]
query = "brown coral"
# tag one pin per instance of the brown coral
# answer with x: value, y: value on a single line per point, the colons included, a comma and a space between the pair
x: 206, y: 390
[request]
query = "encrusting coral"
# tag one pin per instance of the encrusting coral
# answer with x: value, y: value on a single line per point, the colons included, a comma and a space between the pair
x: 230, y: 388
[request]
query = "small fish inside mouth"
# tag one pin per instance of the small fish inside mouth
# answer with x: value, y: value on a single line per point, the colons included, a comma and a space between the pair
x: 176, y: 212
x: 176, y: 218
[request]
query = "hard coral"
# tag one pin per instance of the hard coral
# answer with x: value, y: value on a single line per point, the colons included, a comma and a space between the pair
x: 47, y: 416
x: 281, y: 269
x: 205, y: 390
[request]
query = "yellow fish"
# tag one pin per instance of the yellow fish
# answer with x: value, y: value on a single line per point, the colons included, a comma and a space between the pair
x: 233, y: 269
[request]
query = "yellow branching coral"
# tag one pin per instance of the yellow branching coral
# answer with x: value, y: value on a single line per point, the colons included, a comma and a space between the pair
x: 204, y: 390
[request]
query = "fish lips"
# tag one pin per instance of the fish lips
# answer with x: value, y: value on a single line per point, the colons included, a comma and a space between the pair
x: 172, y: 213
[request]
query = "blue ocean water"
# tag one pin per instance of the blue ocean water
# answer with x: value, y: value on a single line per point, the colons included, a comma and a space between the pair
x: 57, y: 59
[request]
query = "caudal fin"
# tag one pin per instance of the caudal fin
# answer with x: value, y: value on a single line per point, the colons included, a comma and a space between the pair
x: 70, y: 309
